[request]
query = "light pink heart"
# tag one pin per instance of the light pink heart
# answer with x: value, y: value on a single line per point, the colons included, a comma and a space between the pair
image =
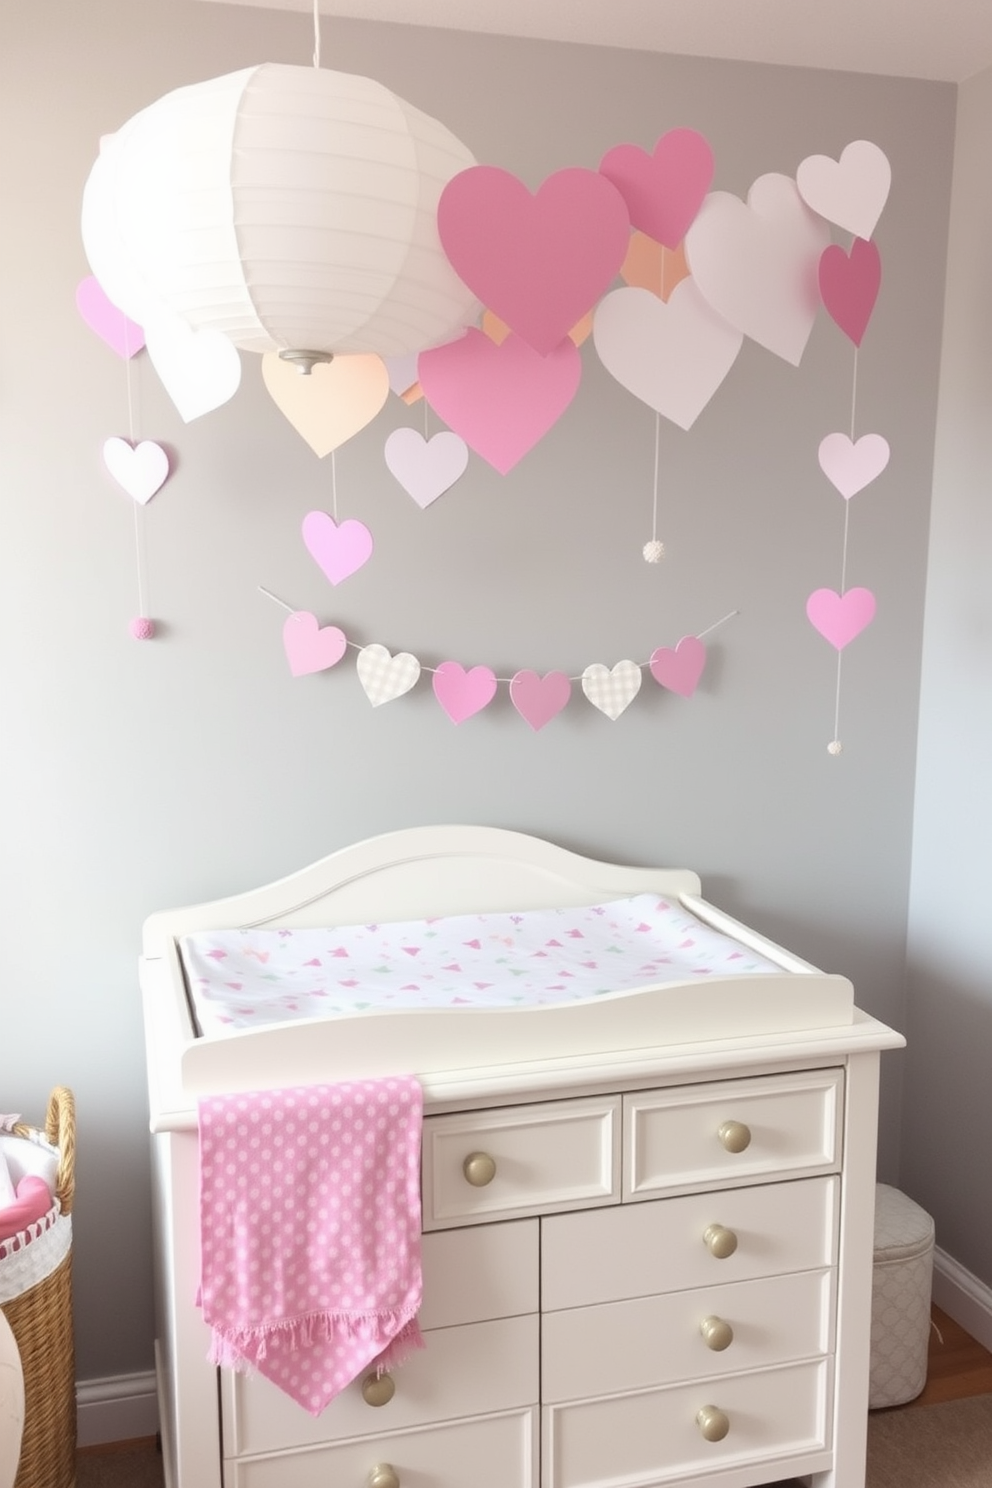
x: 850, y: 467
x: 664, y: 190
x: 426, y: 468
x: 672, y: 354
x: 309, y: 646
x: 538, y: 261
x: 500, y: 398
x: 462, y: 693
x: 140, y: 470
x: 849, y: 285
x: 112, y: 326
x: 539, y: 699
x: 679, y: 668
x: 851, y: 191
x: 840, y: 617
x: 756, y: 263
x: 338, y: 551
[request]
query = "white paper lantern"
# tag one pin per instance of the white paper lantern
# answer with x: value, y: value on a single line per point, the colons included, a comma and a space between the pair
x: 287, y: 207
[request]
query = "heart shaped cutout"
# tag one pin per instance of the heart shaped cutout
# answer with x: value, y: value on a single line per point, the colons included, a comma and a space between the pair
x: 849, y: 285
x: 540, y: 260
x: 851, y: 191
x: 840, y: 617
x: 663, y: 190
x: 612, y: 690
x: 426, y: 468
x: 462, y: 693
x: 539, y: 699
x: 679, y: 668
x: 119, y: 332
x: 309, y: 646
x: 648, y: 265
x: 140, y: 470
x: 849, y: 466
x: 338, y: 551
x: 333, y: 402
x: 385, y: 677
x: 200, y: 370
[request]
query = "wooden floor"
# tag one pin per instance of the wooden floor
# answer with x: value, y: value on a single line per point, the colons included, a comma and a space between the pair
x: 957, y: 1366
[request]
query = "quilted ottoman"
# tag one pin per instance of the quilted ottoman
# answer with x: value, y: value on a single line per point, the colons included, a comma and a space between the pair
x: 900, y: 1304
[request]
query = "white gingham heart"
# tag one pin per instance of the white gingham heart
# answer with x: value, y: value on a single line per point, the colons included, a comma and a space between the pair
x: 611, y: 690
x: 385, y: 677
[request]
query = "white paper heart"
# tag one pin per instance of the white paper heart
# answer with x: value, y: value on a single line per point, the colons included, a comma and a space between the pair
x: 140, y: 470
x: 849, y: 466
x: 757, y: 262
x: 385, y: 677
x: 426, y: 468
x: 200, y: 370
x: 613, y: 690
x: 672, y: 355
x: 402, y: 372
x: 851, y: 191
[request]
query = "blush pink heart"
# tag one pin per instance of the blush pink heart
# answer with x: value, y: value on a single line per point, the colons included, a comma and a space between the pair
x: 849, y: 285
x: 664, y: 190
x: 426, y: 468
x: 840, y: 617
x: 679, y: 668
x: 849, y: 466
x: 538, y: 699
x: 501, y: 398
x: 462, y: 693
x: 309, y: 646
x: 338, y: 551
x: 538, y: 261
x: 112, y: 326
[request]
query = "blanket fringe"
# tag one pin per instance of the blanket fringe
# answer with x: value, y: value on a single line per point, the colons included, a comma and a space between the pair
x: 241, y: 1349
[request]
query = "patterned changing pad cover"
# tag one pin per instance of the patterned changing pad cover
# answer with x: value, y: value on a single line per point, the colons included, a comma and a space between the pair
x: 246, y: 978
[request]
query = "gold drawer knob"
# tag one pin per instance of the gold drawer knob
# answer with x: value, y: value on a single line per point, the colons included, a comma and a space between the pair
x: 713, y: 1423
x: 383, y: 1476
x: 479, y: 1169
x: 378, y: 1389
x: 719, y: 1241
x: 717, y: 1333
x: 734, y: 1136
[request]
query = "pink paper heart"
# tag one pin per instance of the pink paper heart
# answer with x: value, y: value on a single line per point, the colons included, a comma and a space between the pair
x: 112, y: 326
x: 338, y: 551
x: 140, y: 470
x: 538, y: 699
x: 309, y: 646
x: 850, y: 191
x: 426, y: 468
x: 679, y: 668
x: 849, y: 285
x: 500, y: 398
x: 462, y: 693
x: 840, y: 617
x: 851, y: 467
x: 664, y: 190
x: 540, y: 262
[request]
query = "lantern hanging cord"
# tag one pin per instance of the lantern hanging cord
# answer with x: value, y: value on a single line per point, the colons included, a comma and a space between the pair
x: 316, y: 33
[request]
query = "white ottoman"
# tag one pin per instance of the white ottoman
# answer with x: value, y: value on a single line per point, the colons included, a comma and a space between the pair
x: 900, y: 1302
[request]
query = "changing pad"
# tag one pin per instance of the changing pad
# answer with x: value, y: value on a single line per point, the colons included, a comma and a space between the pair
x: 247, y: 978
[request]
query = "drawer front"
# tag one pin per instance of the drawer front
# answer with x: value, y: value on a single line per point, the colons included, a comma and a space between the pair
x: 542, y: 1157
x: 692, y: 1136
x: 478, y: 1369
x: 779, y: 1418
x: 623, y: 1346
x: 498, y: 1451
x: 637, y: 1250
x: 480, y: 1272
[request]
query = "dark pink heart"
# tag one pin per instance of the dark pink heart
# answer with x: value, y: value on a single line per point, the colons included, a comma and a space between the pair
x: 462, y: 693
x: 500, y: 398
x: 679, y: 668
x: 111, y: 325
x: 539, y: 262
x: 664, y: 190
x: 538, y: 699
x: 849, y: 285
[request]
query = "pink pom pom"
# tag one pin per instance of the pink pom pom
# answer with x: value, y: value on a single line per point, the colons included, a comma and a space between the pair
x: 142, y: 628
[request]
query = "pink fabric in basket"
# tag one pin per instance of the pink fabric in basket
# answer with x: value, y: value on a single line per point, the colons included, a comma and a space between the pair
x: 310, y: 1231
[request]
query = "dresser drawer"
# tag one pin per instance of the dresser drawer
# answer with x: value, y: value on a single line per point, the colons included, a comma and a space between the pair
x: 466, y: 1371
x: 621, y: 1346
x: 497, y: 1451
x: 637, y: 1250
x: 737, y: 1131
x: 480, y: 1272
x: 492, y: 1164
x: 779, y: 1418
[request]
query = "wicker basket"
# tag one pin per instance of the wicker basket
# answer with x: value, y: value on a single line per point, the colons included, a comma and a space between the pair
x: 41, y: 1321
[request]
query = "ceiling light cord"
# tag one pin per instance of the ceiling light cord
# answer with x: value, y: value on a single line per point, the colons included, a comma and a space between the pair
x: 316, y: 33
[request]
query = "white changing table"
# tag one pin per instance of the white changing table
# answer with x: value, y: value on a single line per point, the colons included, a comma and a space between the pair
x: 647, y: 1262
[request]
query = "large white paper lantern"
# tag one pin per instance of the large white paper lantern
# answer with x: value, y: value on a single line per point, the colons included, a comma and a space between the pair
x: 291, y: 208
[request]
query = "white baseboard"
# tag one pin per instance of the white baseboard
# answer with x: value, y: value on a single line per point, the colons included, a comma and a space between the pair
x: 963, y: 1297
x: 116, y: 1409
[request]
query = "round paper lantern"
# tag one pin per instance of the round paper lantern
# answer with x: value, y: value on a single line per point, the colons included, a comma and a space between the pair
x: 291, y: 208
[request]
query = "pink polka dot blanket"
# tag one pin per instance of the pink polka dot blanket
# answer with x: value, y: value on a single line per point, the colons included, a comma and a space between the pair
x: 310, y: 1231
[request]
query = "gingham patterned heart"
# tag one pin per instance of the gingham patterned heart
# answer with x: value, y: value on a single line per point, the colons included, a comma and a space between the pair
x: 614, y: 689
x: 385, y: 677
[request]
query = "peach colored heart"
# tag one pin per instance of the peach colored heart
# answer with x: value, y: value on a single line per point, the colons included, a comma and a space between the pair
x: 649, y: 265
x: 331, y: 404
x: 497, y: 330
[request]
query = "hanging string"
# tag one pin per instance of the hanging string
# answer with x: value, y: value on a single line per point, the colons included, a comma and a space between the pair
x: 835, y: 746
x: 334, y: 486
x: 316, y: 33
x: 141, y: 621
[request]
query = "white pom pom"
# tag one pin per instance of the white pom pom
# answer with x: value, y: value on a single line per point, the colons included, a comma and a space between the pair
x: 834, y: 747
x: 653, y: 551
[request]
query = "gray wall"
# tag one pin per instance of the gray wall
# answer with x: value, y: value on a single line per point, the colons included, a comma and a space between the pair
x: 948, y: 1097
x: 138, y: 776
